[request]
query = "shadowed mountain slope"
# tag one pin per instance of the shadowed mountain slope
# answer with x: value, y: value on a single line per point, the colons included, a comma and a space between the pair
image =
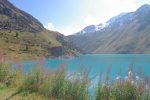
x: 125, y: 33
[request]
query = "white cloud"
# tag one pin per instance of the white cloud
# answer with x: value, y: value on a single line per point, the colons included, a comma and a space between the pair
x: 100, y: 11
x: 89, y: 20
x: 50, y: 26
x: 66, y: 30
x: 105, y: 9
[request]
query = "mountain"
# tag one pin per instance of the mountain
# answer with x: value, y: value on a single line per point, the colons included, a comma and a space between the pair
x: 125, y: 33
x: 87, y: 29
x: 22, y: 36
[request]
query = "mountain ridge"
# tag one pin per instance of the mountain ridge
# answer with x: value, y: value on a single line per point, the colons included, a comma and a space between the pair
x: 121, y: 34
x: 23, y: 37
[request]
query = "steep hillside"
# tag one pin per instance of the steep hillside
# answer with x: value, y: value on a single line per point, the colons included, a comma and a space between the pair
x: 125, y: 33
x: 22, y: 36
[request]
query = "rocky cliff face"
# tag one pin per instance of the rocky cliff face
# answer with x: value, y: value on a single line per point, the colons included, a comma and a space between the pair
x: 14, y: 18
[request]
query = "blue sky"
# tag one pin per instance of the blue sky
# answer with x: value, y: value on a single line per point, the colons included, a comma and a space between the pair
x: 70, y: 16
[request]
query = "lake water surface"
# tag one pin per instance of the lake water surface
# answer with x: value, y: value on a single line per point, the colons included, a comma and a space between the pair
x: 101, y: 62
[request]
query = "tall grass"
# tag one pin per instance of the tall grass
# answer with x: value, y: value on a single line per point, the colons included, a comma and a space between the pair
x: 129, y: 88
x: 57, y: 84
x: 7, y: 76
x: 60, y: 85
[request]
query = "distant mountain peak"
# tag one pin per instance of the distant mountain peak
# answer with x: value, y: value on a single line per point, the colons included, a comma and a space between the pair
x: 87, y: 29
x: 145, y: 7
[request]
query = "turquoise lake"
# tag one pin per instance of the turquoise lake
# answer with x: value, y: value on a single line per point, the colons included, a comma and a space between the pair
x: 100, y: 62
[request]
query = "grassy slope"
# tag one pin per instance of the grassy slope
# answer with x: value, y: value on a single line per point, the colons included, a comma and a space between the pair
x: 7, y: 92
x: 15, y: 47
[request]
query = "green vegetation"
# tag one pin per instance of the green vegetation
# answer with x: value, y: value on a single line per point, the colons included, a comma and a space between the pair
x: 24, y: 45
x: 27, y: 45
x: 41, y: 84
x: 130, y: 88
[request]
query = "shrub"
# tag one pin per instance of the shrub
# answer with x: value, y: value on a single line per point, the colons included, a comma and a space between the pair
x: 2, y: 86
x: 6, y: 74
x: 32, y: 81
x: 129, y: 88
